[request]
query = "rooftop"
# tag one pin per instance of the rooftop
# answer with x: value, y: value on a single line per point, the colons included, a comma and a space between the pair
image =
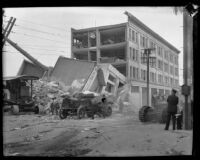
x: 151, y: 32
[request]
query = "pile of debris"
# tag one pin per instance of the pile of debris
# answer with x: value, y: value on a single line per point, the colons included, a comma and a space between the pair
x: 45, y: 92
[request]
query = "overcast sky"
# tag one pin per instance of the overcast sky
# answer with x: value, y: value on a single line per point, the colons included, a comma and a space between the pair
x: 45, y: 33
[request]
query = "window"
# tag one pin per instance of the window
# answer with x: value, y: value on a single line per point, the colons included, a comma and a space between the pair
x: 135, y: 89
x: 143, y: 41
x: 160, y: 79
x: 134, y: 72
x: 166, y: 55
x: 129, y: 34
x: 176, y: 60
x: 152, y: 62
x: 146, y: 43
x: 166, y: 67
x: 134, y: 54
x: 153, y: 45
x: 171, y: 81
x: 172, y: 70
x: 152, y: 77
x: 166, y: 80
x: 131, y: 75
x: 143, y: 74
x: 171, y: 57
x: 160, y: 51
x: 136, y: 37
x: 160, y: 65
x: 137, y: 73
x: 176, y: 71
x: 142, y: 57
x: 130, y: 49
x: 133, y: 35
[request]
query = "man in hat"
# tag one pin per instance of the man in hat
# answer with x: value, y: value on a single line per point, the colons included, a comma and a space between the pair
x: 172, y: 101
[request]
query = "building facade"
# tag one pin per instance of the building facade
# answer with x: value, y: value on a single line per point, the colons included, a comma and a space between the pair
x: 123, y: 45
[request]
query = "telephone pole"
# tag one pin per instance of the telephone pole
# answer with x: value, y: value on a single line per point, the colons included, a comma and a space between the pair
x: 147, y: 52
x: 8, y: 28
x: 5, y: 30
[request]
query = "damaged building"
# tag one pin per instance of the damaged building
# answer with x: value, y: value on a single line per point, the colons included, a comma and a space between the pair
x: 87, y: 76
x: 122, y: 46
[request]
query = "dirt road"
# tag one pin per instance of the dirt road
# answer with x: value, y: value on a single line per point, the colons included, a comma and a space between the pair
x: 118, y: 135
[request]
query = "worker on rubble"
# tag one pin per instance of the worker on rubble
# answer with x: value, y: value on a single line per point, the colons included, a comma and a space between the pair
x: 172, y: 101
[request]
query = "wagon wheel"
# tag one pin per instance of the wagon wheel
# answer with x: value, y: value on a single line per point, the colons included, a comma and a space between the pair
x: 62, y: 113
x: 143, y: 113
x: 81, y: 112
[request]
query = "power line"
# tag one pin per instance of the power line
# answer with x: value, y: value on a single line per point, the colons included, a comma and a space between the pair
x: 36, y: 37
x: 44, y: 49
x: 38, y: 47
x: 36, y: 30
x: 34, y: 53
x: 41, y: 24
x: 41, y: 46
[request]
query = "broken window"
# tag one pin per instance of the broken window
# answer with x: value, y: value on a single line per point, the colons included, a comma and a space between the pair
x: 80, y: 40
x: 93, y: 55
x: 113, y: 55
x: 81, y: 56
x: 112, y: 36
x: 92, y: 39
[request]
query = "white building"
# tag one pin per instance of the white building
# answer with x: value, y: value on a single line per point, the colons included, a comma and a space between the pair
x: 122, y: 46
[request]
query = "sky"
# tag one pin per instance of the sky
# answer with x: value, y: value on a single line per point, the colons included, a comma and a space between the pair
x: 45, y: 33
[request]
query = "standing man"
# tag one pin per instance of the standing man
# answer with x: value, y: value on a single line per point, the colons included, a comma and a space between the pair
x: 172, y: 101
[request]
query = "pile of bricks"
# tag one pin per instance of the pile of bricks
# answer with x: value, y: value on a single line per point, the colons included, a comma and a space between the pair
x: 43, y: 92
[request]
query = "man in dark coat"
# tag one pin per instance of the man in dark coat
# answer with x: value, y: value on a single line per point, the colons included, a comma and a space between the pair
x: 172, y: 101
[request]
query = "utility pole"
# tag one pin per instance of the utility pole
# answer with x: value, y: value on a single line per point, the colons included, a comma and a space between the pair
x: 26, y: 54
x: 147, y: 52
x: 187, y: 53
x: 9, y: 30
x: 5, y: 30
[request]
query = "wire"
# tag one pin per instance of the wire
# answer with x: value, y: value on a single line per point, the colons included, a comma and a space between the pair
x: 39, y: 48
x: 33, y: 53
x: 36, y: 37
x: 36, y: 30
x: 41, y: 24
x: 33, y: 45
x: 45, y: 49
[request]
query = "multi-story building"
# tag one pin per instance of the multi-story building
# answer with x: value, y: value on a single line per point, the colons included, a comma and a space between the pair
x: 122, y: 45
